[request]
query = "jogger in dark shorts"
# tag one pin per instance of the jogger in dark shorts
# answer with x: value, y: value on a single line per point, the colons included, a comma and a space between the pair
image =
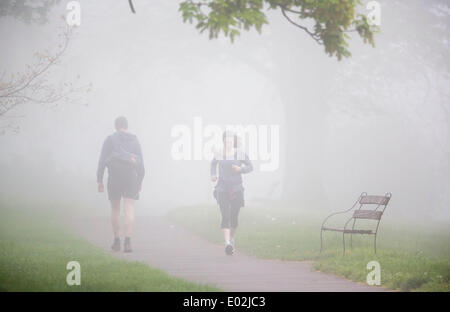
x: 122, y: 155
x: 229, y: 191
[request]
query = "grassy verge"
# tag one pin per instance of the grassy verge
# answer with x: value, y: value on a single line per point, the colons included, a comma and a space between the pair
x: 411, y: 259
x: 34, y: 252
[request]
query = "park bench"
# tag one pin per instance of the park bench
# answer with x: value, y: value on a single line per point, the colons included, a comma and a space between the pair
x: 371, y: 207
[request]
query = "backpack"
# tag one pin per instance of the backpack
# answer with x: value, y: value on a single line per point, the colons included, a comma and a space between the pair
x: 121, y: 157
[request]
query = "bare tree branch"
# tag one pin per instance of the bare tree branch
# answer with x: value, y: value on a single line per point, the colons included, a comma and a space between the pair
x: 34, y: 84
x: 38, y: 72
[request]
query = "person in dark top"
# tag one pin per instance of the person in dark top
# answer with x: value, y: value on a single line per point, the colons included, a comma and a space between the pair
x: 229, y: 191
x: 121, y: 154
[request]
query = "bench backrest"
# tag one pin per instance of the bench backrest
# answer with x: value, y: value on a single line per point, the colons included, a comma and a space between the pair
x: 367, y: 214
x: 375, y: 213
x: 374, y: 199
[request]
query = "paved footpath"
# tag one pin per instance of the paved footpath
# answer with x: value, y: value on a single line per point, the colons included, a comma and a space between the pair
x: 162, y: 244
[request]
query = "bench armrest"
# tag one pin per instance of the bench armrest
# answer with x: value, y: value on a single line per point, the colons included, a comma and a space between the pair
x: 344, y: 211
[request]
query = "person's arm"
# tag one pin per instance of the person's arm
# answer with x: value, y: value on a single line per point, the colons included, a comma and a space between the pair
x: 140, y: 168
x: 106, y: 150
x: 214, y: 169
x: 248, y: 167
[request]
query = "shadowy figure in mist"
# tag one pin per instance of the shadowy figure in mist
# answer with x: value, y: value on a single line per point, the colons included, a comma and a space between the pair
x: 121, y: 154
x: 229, y: 191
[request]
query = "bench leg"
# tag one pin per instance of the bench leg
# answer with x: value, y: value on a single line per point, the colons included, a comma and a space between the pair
x: 321, y: 244
x: 375, y: 244
x: 343, y: 243
x: 351, y: 234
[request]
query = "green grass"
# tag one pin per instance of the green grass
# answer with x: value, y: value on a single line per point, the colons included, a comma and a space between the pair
x: 411, y: 258
x: 34, y: 252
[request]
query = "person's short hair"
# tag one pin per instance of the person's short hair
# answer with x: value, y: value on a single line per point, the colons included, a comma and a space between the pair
x: 121, y: 123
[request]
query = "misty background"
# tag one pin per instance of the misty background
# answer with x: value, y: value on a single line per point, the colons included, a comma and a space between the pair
x: 378, y: 121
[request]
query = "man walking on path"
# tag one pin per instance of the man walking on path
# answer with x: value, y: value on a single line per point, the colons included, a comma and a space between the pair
x: 121, y: 154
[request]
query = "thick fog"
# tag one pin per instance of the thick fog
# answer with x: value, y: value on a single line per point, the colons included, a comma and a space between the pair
x: 377, y: 122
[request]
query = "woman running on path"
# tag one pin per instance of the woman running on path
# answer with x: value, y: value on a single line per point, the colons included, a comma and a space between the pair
x: 229, y: 191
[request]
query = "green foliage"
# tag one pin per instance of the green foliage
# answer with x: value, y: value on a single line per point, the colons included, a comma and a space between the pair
x: 35, y: 249
x: 226, y: 16
x: 333, y: 19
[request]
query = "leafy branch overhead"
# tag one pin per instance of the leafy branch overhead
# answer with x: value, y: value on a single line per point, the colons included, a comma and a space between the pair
x: 331, y: 20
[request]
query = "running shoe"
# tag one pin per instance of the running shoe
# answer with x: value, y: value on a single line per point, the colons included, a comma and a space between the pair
x: 116, y: 245
x: 229, y: 249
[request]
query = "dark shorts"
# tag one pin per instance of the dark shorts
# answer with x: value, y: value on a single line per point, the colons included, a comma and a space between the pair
x: 122, y: 182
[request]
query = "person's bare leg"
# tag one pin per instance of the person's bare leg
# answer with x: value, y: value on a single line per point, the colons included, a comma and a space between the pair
x: 226, y: 235
x: 232, y: 232
x: 115, y: 222
x: 115, y: 217
x: 128, y: 207
x: 229, y: 249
